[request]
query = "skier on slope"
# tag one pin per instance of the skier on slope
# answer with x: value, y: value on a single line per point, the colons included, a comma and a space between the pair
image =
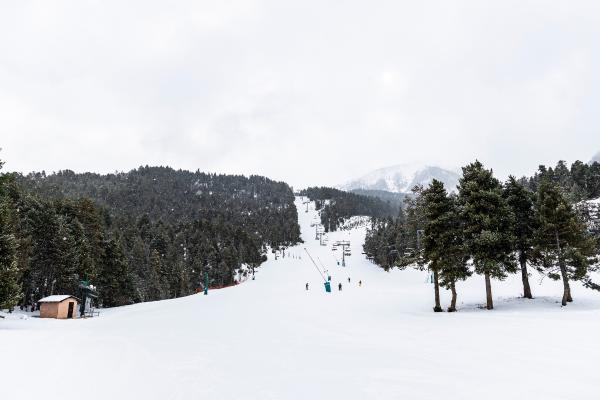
x: 306, y: 285
x: 359, y: 283
x: 348, y: 279
x: 340, y: 286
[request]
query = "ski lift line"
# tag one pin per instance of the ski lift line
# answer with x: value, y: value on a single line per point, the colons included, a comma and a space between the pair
x: 315, y: 264
x: 322, y: 266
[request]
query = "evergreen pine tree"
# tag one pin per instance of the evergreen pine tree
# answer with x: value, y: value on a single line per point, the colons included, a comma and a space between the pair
x: 487, y: 220
x: 454, y: 266
x: 413, y: 227
x: 436, y: 209
x: 155, y: 289
x: 139, y: 266
x: 520, y: 201
x: 443, y: 245
x: 67, y: 261
x: 10, y: 286
x: 562, y: 247
x: 114, y: 282
x: 592, y: 181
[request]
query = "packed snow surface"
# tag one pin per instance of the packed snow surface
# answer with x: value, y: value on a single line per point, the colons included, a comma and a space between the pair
x: 271, y: 339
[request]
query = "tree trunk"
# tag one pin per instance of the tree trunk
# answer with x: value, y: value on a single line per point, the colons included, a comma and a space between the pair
x: 525, y: 278
x: 488, y: 292
x: 566, y: 287
x: 452, y: 307
x: 438, y: 307
x: 563, y: 273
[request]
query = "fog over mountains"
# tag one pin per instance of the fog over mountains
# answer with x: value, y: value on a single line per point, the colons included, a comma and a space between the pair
x: 596, y: 157
x: 402, y: 178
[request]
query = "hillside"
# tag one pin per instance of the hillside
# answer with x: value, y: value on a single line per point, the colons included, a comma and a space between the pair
x: 396, y: 200
x: 174, y: 196
x: 148, y: 234
x: 336, y: 206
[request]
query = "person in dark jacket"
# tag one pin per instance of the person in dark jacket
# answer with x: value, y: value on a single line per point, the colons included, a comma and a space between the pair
x: 306, y: 285
x: 340, y: 286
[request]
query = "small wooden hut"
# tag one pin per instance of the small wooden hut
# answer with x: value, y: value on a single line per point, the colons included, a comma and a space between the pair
x: 59, y: 306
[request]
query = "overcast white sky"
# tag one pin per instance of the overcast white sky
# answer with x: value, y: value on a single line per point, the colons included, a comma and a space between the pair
x: 310, y: 92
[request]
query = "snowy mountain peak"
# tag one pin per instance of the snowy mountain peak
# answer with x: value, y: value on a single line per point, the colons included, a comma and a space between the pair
x: 402, y: 178
x: 596, y: 158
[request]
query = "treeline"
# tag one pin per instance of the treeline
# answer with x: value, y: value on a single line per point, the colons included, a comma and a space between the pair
x: 176, y: 196
x: 491, y: 229
x: 148, y: 234
x: 578, y: 182
x: 336, y: 206
x: 396, y: 200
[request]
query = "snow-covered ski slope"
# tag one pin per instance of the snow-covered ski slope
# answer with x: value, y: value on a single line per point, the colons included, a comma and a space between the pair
x: 272, y: 339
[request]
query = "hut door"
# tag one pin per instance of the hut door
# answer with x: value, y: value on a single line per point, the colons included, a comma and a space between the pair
x: 70, y: 312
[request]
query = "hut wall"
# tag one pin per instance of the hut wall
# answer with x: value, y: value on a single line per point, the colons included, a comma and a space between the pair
x: 58, y: 310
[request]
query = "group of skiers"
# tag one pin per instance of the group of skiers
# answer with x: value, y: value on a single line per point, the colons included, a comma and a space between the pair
x: 340, y: 284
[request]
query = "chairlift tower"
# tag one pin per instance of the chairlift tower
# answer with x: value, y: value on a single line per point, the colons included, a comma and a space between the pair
x: 307, y: 203
x: 343, y: 244
x: 320, y: 236
x: 318, y: 231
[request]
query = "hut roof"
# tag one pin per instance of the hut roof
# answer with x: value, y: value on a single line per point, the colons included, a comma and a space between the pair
x: 57, y: 298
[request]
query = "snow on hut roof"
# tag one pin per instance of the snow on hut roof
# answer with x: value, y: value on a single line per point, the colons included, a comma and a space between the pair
x: 57, y: 298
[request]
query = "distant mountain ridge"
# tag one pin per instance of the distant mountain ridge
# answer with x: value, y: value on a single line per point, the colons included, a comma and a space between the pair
x: 402, y: 178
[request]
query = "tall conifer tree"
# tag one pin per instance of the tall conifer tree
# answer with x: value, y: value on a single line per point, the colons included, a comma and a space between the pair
x: 487, y: 222
x: 114, y: 283
x: 10, y: 286
x: 443, y: 246
x: 520, y: 201
x: 562, y: 247
x: 436, y: 210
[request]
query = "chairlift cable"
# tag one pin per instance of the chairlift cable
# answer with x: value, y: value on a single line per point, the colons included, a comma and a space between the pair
x: 323, y: 266
x: 315, y: 264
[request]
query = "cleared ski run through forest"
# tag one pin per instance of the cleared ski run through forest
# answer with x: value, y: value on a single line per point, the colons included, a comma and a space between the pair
x: 271, y: 339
